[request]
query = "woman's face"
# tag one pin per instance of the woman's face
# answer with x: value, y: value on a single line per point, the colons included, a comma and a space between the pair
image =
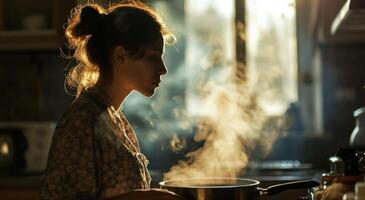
x: 144, y: 74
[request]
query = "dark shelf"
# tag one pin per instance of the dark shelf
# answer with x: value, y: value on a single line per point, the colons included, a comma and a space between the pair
x: 26, y: 40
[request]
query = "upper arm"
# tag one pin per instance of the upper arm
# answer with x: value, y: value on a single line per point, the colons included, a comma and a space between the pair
x: 71, y: 166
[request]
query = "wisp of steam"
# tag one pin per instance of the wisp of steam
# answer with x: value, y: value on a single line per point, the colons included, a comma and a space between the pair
x: 232, y: 127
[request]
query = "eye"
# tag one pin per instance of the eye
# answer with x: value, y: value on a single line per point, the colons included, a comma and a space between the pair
x: 155, y: 55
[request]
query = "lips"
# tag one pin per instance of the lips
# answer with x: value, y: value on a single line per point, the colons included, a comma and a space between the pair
x: 156, y: 83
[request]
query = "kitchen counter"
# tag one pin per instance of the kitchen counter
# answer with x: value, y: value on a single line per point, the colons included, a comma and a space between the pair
x: 25, y: 187
x: 20, y: 182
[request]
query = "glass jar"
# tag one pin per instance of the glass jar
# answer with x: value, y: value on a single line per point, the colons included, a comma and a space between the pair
x: 357, y: 138
x: 333, y: 187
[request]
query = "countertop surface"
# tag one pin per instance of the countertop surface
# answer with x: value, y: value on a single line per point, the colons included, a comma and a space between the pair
x: 33, y: 180
x: 21, y: 180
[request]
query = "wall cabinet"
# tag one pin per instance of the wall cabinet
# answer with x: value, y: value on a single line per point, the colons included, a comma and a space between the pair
x: 33, y: 25
x: 327, y: 12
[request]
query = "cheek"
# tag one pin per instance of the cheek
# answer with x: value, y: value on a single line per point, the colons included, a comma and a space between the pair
x: 142, y: 73
x: 148, y: 69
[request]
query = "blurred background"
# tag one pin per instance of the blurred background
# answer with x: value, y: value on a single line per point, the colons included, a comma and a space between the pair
x: 300, y: 61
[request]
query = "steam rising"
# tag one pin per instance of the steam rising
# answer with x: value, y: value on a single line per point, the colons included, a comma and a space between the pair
x: 235, y: 113
x: 233, y: 124
x: 177, y: 144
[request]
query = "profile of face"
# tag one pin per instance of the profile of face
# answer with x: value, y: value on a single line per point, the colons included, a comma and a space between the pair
x: 142, y: 74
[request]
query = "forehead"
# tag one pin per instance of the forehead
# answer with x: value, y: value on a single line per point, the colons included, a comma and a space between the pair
x: 158, y: 44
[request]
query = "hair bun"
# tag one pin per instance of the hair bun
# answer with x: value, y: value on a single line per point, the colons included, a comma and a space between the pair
x: 89, y: 21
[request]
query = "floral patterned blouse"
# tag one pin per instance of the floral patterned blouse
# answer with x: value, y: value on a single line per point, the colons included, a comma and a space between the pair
x: 94, y: 153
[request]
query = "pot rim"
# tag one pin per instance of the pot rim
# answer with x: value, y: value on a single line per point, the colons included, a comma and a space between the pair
x: 168, y: 183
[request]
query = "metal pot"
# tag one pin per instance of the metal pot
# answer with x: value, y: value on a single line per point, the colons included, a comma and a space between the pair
x: 228, y: 188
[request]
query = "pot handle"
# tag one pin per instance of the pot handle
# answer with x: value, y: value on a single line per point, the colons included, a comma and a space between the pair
x: 274, y: 189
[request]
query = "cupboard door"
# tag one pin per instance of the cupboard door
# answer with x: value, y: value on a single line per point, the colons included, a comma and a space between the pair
x: 33, y: 25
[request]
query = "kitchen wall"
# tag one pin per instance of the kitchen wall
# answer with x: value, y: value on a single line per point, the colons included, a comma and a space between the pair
x: 343, y: 87
x: 32, y: 87
x: 341, y: 66
x: 331, y: 84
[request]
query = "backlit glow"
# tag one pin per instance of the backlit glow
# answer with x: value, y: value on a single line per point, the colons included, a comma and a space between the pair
x: 4, y: 149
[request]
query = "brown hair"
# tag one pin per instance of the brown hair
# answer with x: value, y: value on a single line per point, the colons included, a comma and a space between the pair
x: 93, y: 32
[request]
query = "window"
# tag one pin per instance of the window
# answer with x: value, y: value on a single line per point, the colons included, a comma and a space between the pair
x: 272, y: 52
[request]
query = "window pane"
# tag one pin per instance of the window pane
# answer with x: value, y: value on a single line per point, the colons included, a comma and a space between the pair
x: 272, y: 52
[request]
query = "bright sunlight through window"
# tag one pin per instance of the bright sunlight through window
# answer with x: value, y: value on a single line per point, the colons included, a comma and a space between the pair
x: 272, y: 52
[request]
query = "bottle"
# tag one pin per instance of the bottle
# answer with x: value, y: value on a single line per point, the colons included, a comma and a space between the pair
x: 360, y: 191
x: 349, y: 196
x: 357, y: 138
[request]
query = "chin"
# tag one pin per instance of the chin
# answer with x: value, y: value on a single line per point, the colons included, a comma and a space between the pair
x: 148, y: 93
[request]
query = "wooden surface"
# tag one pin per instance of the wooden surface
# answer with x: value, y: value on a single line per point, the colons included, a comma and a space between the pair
x: 13, y: 36
x: 20, y: 187
x: 19, y: 194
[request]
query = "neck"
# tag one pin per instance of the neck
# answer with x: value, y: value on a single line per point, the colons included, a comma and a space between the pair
x: 115, y: 94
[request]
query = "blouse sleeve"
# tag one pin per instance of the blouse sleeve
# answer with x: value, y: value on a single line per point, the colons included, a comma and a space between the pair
x: 70, y: 172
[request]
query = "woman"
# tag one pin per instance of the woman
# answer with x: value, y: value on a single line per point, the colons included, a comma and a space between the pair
x: 94, y: 152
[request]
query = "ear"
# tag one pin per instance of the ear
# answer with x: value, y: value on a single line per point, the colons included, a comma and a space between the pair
x: 119, y: 54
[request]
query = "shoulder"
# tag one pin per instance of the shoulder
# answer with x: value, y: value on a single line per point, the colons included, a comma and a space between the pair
x: 74, y: 131
x: 79, y: 118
